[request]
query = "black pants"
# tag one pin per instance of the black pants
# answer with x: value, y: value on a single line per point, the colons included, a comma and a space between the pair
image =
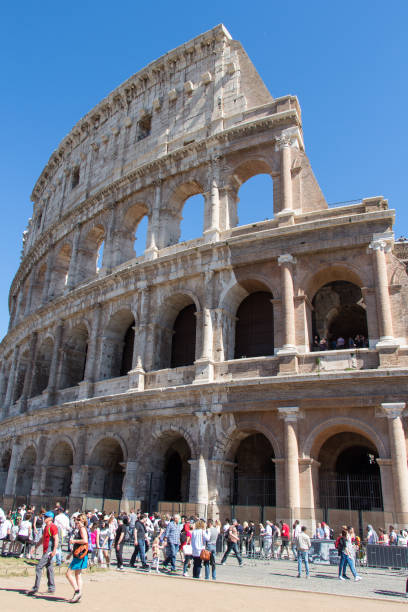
x: 196, y: 567
x: 135, y: 553
x: 119, y: 552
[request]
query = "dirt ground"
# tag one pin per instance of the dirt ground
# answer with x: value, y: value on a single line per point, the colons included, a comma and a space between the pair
x: 152, y: 593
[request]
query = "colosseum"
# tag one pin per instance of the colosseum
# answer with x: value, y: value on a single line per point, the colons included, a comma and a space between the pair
x: 256, y: 369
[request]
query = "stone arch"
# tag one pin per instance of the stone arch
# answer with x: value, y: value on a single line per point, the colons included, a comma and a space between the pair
x: 42, y: 366
x: 25, y: 471
x: 117, y: 344
x: 329, y: 273
x: 106, y: 467
x: 38, y: 286
x: 88, y: 252
x: 349, y: 476
x: 339, y: 311
x: 74, y: 354
x: 251, y: 167
x: 171, y: 216
x: 249, y: 325
x: 59, y: 468
x: 172, y: 310
x: 5, y: 459
x: 60, y: 270
x: 23, y: 364
x: 169, y: 467
x: 131, y: 220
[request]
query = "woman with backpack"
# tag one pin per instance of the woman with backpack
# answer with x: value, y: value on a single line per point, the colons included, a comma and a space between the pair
x: 79, y: 543
x: 345, y: 549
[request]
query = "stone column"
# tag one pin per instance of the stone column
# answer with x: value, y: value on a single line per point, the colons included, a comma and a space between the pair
x: 3, y: 389
x: 109, y: 259
x: 55, y: 361
x: 286, y: 214
x: 13, y: 467
x: 212, y: 203
x: 78, y: 466
x: 91, y: 358
x: 154, y: 221
x: 47, y: 279
x: 29, y: 373
x: 198, y: 481
x: 11, y: 380
x: 30, y: 291
x: 206, y: 318
x: 129, y: 479
x: 381, y: 245
x: 309, y: 488
x: 288, y: 308
x: 393, y: 412
x: 290, y: 415
x: 71, y: 280
x: 18, y: 307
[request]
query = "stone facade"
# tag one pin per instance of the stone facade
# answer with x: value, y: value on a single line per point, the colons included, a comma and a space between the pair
x: 107, y: 387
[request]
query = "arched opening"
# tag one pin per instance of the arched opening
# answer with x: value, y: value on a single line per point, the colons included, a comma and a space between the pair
x: 192, y: 220
x: 60, y: 272
x: 168, y: 470
x: 42, y: 367
x: 132, y: 234
x: 255, y: 201
x: 38, y: 288
x: 180, y: 216
x: 105, y: 472
x: 74, y: 356
x: 58, y: 478
x: 349, y: 476
x: 25, y: 472
x: 254, y: 473
x: 254, y: 333
x: 89, y: 255
x: 184, y: 338
x: 339, y: 317
x: 117, y: 346
x: 99, y: 257
x: 21, y: 375
x: 4, y: 468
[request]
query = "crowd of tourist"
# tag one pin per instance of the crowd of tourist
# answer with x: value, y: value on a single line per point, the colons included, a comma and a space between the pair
x: 95, y: 538
x: 340, y: 343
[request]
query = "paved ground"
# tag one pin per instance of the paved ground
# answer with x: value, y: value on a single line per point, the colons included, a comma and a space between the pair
x: 258, y: 584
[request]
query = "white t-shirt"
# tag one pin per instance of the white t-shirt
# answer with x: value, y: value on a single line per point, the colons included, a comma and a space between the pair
x: 62, y: 521
x: 5, y: 528
x: 268, y: 531
x: 24, y: 528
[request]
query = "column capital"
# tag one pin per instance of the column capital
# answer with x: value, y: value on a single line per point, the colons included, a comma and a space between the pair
x: 286, y: 258
x: 392, y: 410
x: 382, y: 242
x: 290, y: 414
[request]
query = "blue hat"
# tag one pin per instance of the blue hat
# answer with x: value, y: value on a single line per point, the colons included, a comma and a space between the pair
x: 49, y: 514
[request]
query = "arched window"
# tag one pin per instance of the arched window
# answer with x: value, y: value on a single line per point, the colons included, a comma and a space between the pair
x: 21, y: 375
x: 192, y: 220
x: 105, y: 475
x: 25, y: 472
x: 74, y: 357
x: 254, y: 474
x: 58, y: 476
x: 60, y: 271
x: 99, y: 257
x: 339, y: 316
x: 131, y: 236
x: 38, y: 288
x: 349, y: 475
x: 4, y: 468
x: 117, y: 345
x: 89, y: 253
x: 184, y: 338
x: 254, y: 334
x: 42, y: 367
x: 255, y: 200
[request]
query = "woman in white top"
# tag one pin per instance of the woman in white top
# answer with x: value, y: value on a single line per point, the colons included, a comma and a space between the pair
x: 24, y: 533
x: 199, y: 537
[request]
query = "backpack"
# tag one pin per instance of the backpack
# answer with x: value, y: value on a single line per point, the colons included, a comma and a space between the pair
x: 183, y: 537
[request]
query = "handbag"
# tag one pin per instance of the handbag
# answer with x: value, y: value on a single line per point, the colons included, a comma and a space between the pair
x: 81, y: 551
x: 205, y: 555
x: 187, y: 549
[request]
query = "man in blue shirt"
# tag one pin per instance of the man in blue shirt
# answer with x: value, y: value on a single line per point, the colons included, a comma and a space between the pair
x: 172, y: 537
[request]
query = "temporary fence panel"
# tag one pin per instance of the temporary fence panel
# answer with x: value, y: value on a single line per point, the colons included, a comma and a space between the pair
x: 387, y: 556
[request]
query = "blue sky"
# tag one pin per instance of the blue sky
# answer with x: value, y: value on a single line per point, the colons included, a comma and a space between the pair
x: 346, y: 62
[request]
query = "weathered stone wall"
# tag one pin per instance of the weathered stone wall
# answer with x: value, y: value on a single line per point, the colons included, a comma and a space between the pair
x: 197, y: 121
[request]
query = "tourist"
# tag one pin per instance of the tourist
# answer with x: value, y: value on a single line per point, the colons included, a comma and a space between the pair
x: 372, y: 537
x: 303, y: 545
x: 251, y: 540
x: 323, y: 346
x: 340, y: 342
x: 79, y: 543
x: 296, y: 530
x: 383, y: 537
x: 392, y: 536
x: 49, y: 540
x: 119, y: 542
x: 285, y: 535
x: 24, y: 534
x: 156, y: 547
x: 267, y: 536
x: 172, y: 536
x: 199, y: 537
x: 103, y: 545
x: 212, y: 535
x: 185, y: 546
x: 5, y: 532
x: 232, y: 543
x: 346, y: 551
x: 319, y: 532
x: 140, y: 540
